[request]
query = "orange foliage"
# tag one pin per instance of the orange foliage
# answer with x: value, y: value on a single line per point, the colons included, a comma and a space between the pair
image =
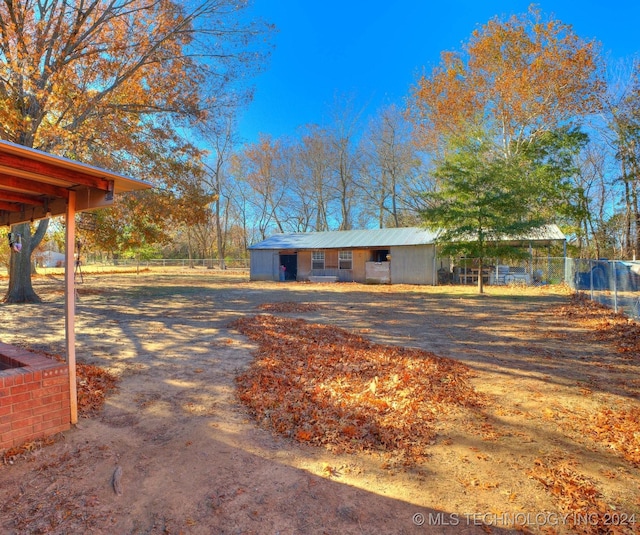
x: 523, y: 75
x: 617, y: 427
x: 326, y: 386
x: 93, y: 383
x: 584, y: 508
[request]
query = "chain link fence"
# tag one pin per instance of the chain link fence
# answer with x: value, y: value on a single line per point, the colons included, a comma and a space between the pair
x: 614, y: 283
x: 535, y: 271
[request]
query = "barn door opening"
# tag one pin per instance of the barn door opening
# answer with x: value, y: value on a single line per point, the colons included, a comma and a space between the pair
x: 380, y: 255
x: 290, y: 264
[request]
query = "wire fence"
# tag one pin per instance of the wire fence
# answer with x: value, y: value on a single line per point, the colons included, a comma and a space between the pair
x: 613, y: 283
x: 107, y: 265
x: 208, y: 263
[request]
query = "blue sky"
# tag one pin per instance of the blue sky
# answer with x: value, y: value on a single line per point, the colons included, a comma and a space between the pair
x: 373, y: 50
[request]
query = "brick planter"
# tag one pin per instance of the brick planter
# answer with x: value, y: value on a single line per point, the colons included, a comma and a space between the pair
x: 34, y: 396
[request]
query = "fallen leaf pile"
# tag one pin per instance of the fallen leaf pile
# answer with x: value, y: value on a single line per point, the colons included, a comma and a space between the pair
x: 618, y: 430
x: 617, y: 427
x: 93, y: 384
x: 582, y: 505
x: 326, y: 386
x: 287, y: 307
x: 607, y: 325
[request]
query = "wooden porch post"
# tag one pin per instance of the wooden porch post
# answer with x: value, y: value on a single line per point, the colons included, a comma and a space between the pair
x: 70, y: 303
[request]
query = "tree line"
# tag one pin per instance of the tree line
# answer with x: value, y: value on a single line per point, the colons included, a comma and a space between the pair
x: 553, y: 123
x: 539, y: 121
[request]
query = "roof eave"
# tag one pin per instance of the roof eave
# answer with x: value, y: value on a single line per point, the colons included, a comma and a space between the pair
x: 36, y: 184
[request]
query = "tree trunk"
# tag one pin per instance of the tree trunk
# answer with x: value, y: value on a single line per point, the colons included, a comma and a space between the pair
x: 189, y: 248
x: 635, y: 243
x: 480, y: 281
x: 20, y: 288
x: 220, y: 237
x: 596, y: 240
x: 628, y: 239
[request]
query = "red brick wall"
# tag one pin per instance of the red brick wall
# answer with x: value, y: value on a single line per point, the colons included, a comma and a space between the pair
x: 34, y: 399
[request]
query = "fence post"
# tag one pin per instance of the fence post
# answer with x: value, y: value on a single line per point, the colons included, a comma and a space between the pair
x: 615, y: 287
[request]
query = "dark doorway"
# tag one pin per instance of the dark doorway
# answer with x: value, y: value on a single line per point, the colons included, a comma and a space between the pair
x: 380, y: 256
x: 290, y: 263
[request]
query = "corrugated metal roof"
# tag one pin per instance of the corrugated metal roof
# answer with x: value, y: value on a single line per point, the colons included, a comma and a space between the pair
x: 346, y: 239
x: 387, y: 237
x: 546, y: 233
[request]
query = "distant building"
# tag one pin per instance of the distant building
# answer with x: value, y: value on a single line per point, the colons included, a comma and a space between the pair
x: 49, y: 259
x: 394, y: 255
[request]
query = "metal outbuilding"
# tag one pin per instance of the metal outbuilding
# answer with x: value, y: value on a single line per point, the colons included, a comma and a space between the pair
x: 401, y: 255
x: 393, y: 255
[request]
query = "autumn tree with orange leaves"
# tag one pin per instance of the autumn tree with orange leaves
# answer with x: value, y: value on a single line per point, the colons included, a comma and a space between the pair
x: 111, y: 82
x: 517, y: 78
x: 524, y: 84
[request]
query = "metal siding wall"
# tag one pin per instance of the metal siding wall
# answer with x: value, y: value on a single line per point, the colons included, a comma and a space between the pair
x: 262, y: 265
x: 409, y: 264
x: 413, y: 265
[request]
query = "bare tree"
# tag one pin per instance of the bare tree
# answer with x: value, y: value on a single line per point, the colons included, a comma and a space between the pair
x: 314, y: 164
x: 260, y: 166
x: 619, y: 130
x: 345, y: 157
x: 220, y: 136
x: 391, y: 163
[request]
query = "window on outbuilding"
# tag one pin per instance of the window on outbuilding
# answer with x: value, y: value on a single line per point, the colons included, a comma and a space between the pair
x: 317, y: 260
x: 345, y: 259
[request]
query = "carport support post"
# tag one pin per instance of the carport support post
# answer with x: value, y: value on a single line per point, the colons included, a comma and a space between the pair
x: 70, y: 303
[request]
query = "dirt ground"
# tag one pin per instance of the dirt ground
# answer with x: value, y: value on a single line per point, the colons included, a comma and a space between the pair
x: 192, y: 460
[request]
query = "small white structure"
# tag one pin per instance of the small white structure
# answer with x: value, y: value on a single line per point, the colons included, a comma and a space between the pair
x: 50, y: 259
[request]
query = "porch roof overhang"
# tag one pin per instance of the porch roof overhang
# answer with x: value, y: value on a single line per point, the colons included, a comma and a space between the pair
x: 35, y: 185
